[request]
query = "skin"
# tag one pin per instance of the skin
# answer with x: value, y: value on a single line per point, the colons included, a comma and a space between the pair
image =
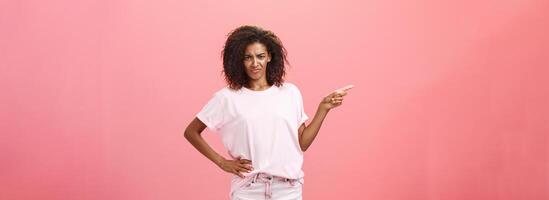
x: 256, y: 58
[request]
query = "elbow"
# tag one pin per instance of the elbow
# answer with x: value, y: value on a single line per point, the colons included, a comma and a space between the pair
x: 303, y: 149
x: 189, y: 134
x: 303, y: 146
x: 186, y: 135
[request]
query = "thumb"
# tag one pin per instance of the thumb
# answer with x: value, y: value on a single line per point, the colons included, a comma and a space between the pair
x: 338, y: 93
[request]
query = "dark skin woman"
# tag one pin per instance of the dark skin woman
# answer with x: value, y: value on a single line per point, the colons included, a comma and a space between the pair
x: 257, y: 63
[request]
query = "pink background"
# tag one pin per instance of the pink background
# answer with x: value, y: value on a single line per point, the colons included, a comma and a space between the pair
x: 451, y: 97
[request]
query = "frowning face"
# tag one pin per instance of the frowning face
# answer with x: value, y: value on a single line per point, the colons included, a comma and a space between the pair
x: 256, y: 58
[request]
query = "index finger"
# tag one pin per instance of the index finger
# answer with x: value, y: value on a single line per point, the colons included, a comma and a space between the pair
x: 344, y: 89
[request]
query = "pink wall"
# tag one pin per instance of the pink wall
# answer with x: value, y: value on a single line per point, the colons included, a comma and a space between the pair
x: 451, y: 97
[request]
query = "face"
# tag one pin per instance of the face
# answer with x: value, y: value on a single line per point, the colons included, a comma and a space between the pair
x: 256, y: 58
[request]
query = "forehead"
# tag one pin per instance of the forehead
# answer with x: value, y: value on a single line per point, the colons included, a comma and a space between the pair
x: 255, y: 48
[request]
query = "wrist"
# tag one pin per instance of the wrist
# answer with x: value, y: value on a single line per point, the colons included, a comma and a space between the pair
x: 322, y: 108
x: 219, y: 160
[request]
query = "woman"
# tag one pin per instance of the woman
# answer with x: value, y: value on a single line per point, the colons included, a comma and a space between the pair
x: 260, y: 118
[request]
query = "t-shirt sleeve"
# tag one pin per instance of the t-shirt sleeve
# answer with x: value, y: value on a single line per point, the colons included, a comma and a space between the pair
x: 212, y: 114
x: 302, y: 115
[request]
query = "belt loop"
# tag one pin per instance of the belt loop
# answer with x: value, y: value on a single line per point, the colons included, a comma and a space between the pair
x: 254, y: 178
x: 268, y: 192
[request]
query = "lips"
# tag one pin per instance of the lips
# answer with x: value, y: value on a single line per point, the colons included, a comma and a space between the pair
x: 256, y: 70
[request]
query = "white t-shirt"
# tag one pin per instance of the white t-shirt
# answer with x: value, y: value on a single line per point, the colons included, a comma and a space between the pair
x: 261, y: 126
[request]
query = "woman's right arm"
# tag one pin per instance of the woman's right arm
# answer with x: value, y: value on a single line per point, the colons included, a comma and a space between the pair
x: 193, y: 135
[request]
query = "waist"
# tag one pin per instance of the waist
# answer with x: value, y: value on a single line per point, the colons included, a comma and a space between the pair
x: 265, y: 177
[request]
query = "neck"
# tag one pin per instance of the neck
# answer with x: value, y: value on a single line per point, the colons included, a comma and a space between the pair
x: 258, y: 84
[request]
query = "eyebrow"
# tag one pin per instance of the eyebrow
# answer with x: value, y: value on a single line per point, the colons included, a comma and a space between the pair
x: 256, y: 55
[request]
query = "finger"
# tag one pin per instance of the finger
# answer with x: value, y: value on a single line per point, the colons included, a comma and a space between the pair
x: 344, y: 89
x: 246, y: 166
x: 249, y: 166
x: 348, y: 87
x: 339, y: 93
x: 336, y: 99
x: 243, y: 169
x: 238, y: 173
x: 245, y: 161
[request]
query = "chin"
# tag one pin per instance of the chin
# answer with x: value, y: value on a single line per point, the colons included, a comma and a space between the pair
x: 255, y: 77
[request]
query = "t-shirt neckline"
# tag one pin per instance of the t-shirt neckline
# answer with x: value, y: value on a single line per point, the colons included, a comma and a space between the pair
x: 265, y: 91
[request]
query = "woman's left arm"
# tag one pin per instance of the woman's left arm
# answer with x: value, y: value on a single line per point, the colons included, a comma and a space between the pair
x: 308, y: 133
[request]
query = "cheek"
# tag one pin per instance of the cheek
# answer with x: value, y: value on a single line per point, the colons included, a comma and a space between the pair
x: 246, y: 64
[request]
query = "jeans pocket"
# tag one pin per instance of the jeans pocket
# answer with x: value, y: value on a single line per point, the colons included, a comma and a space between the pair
x: 240, y: 183
x: 246, y: 184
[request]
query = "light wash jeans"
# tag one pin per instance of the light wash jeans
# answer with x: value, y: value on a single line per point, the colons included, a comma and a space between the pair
x: 260, y: 186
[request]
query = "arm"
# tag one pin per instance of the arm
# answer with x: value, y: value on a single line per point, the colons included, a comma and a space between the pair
x: 193, y: 135
x: 307, y: 134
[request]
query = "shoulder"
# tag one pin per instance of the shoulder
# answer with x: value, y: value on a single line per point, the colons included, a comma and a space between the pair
x: 227, y: 93
x: 291, y: 87
x: 221, y: 93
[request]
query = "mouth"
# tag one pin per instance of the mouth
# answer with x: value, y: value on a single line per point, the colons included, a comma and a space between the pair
x: 255, y: 70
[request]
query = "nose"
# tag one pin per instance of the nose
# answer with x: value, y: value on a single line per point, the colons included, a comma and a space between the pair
x: 256, y: 62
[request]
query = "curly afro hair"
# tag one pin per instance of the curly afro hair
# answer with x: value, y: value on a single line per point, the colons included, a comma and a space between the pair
x: 233, y: 56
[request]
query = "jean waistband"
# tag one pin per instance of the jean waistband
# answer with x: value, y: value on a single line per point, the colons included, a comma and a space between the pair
x: 264, y: 177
